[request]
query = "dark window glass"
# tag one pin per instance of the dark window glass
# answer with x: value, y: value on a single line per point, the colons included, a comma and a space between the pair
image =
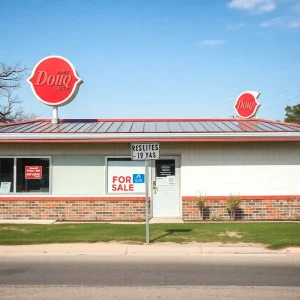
x: 6, y: 175
x: 33, y: 175
x: 165, y: 167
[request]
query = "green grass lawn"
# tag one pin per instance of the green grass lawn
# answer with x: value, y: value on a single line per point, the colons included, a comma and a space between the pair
x: 273, y: 235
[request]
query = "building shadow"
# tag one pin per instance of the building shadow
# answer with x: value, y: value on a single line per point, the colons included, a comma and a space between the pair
x: 169, y: 232
x: 239, y: 214
x: 206, y: 213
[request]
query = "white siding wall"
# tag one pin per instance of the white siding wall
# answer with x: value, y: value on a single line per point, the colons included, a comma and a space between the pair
x: 58, y: 148
x: 246, y: 169
x: 211, y: 168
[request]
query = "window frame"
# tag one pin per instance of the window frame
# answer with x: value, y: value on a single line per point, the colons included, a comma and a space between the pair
x: 15, y: 157
x: 107, y: 157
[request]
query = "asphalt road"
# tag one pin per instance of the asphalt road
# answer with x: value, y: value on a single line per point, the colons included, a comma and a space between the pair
x: 135, y: 277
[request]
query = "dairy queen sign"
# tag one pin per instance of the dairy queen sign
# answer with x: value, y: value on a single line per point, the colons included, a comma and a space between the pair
x: 55, y: 82
x: 246, y: 104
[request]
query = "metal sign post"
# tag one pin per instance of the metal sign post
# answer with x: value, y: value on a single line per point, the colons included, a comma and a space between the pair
x: 55, y: 115
x: 147, y: 200
x: 145, y: 152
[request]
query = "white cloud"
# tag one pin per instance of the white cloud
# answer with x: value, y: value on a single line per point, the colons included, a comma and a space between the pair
x: 234, y: 26
x: 264, y: 6
x: 286, y: 22
x: 256, y: 6
x: 212, y: 43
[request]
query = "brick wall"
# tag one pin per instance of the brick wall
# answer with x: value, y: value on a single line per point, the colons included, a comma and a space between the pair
x: 86, y: 210
x: 249, y: 209
x: 133, y: 209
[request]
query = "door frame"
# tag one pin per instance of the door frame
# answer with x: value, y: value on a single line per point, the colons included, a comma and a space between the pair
x: 177, y: 158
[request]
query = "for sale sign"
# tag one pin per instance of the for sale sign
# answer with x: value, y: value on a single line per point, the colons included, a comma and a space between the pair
x: 33, y: 172
x: 125, y: 176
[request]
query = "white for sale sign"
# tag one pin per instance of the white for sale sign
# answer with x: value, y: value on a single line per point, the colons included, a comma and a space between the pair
x: 125, y: 176
x: 144, y: 151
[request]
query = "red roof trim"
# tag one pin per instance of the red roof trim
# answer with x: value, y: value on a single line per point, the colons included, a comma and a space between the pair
x: 122, y: 198
x: 273, y: 197
x: 24, y: 122
x: 156, y: 120
x: 141, y: 140
x: 66, y: 198
x: 278, y: 122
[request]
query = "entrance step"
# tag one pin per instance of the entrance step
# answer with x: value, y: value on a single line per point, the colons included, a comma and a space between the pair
x: 165, y: 220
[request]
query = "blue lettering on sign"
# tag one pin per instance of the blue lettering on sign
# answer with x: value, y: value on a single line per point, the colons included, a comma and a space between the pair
x: 138, y: 178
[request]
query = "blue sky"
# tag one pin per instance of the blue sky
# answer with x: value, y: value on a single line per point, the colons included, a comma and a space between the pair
x: 160, y: 58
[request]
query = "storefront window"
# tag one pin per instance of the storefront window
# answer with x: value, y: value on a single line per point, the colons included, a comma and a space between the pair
x: 6, y: 175
x: 125, y: 176
x: 33, y: 175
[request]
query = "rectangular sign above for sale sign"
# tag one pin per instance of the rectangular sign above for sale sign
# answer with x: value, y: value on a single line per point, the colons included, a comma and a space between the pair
x: 33, y: 172
x: 144, y: 151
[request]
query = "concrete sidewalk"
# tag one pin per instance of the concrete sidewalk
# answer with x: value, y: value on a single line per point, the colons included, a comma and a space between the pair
x: 158, y: 249
x: 38, y: 222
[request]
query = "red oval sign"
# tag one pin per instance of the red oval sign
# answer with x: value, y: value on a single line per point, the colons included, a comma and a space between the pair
x: 54, y: 81
x: 247, y: 105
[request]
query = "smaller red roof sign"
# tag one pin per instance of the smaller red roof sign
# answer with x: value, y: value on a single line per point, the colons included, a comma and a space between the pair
x: 54, y: 81
x: 246, y: 104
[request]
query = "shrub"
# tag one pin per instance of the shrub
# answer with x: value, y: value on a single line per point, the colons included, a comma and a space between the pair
x: 201, y: 201
x: 216, y: 217
x: 232, y: 203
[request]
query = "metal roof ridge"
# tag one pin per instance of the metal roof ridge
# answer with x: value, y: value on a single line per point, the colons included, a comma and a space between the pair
x: 23, y: 122
x: 278, y: 122
x: 155, y: 120
x: 134, y: 120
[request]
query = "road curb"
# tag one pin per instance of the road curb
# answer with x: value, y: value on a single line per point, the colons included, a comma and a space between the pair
x: 152, y: 249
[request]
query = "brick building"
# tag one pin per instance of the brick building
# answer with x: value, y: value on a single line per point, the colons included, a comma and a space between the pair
x: 82, y: 170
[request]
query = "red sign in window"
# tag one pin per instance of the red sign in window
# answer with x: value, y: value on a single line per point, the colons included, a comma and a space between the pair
x: 33, y: 172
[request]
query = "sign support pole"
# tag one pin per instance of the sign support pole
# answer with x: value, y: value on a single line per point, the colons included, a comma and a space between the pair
x: 55, y: 115
x: 146, y: 152
x: 147, y: 200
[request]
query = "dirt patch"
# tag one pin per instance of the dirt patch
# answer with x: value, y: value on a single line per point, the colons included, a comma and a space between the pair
x: 232, y: 234
x: 12, y: 228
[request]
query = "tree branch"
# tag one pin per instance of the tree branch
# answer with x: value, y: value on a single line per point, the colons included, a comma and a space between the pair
x: 11, y: 77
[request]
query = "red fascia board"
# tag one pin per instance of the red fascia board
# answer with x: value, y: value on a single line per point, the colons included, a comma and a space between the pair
x: 122, y: 198
x: 174, y: 120
x: 152, y: 120
x: 66, y: 198
x: 166, y: 140
x: 271, y: 197
x: 23, y: 122
x: 130, y: 120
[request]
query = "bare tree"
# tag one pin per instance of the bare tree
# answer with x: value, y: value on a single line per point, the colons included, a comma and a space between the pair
x: 11, y: 77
